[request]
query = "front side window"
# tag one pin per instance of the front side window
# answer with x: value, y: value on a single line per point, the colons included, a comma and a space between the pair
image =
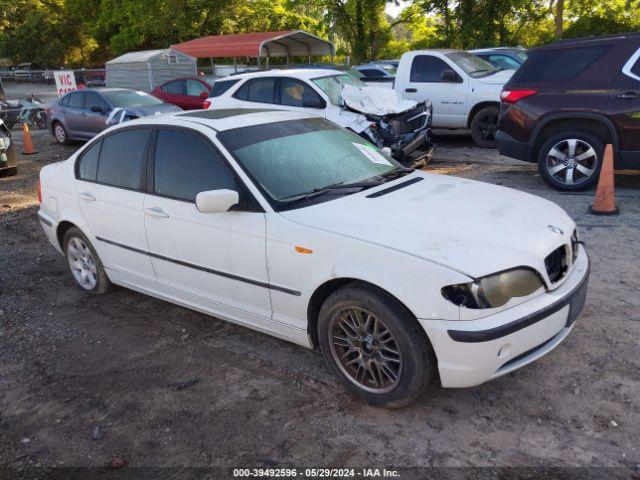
x: 88, y: 167
x: 257, y: 90
x: 122, y: 158
x: 298, y: 94
x: 187, y: 164
x: 195, y: 88
x: 92, y: 99
x: 174, y: 87
x: 131, y: 98
x: 291, y: 159
x: 221, y: 86
x: 332, y: 86
x: 76, y: 100
x: 426, y: 68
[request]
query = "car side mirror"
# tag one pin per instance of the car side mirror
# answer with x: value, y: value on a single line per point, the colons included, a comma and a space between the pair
x: 216, y: 201
x: 204, y: 95
x: 449, y: 75
x: 97, y: 109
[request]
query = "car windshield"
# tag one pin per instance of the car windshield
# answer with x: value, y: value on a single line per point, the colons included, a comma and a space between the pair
x: 295, y: 160
x: 472, y: 65
x: 332, y: 85
x: 130, y: 98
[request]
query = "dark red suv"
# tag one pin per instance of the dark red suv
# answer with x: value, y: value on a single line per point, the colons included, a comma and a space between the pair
x: 567, y: 102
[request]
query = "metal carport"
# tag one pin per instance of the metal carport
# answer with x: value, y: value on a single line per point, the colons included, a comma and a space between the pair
x: 287, y: 43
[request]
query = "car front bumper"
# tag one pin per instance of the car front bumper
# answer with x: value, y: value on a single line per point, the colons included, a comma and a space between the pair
x: 472, y: 352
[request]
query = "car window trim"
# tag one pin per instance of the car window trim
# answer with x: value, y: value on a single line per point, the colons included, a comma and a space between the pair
x: 626, y: 69
x: 252, y: 204
x: 143, y: 174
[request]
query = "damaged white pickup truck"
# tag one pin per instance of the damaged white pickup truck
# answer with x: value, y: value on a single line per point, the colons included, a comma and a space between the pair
x: 379, y: 115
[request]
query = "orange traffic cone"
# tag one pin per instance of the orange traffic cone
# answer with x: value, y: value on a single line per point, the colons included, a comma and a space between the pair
x: 27, y: 143
x: 605, y: 202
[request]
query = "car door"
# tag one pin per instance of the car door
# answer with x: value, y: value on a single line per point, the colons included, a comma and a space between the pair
x: 624, y: 105
x: 448, y: 98
x: 214, y: 260
x: 110, y: 188
x: 195, y: 91
x: 74, y: 115
x: 96, y: 109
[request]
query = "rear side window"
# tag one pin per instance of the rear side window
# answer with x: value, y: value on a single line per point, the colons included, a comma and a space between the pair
x: 257, y: 90
x: 195, y: 88
x: 221, y: 86
x: 186, y: 164
x: 76, y: 100
x: 636, y: 68
x: 122, y: 158
x: 88, y: 168
x: 427, y: 69
x: 558, y: 64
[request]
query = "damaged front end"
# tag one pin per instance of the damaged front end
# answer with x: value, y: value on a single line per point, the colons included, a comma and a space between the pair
x: 400, y: 125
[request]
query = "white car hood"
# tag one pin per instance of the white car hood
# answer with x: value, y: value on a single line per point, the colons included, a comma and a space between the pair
x: 472, y: 227
x: 375, y: 100
x: 498, y: 78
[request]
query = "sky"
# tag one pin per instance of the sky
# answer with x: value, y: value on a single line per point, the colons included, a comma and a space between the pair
x: 393, y: 9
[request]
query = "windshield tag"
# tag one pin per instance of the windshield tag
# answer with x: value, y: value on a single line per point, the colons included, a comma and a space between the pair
x: 371, y: 153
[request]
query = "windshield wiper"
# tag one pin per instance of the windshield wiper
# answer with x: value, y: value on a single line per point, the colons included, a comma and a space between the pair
x: 396, y: 173
x: 329, y: 188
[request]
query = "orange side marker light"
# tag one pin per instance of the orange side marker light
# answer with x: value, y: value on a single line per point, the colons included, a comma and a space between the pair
x: 303, y: 250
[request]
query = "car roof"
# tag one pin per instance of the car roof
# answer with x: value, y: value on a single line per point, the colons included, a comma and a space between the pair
x: 593, y: 40
x: 306, y: 73
x: 498, y: 49
x: 224, y: 118
x: 437, y: 50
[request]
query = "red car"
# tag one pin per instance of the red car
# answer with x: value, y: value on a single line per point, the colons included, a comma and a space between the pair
x: 187, y: 93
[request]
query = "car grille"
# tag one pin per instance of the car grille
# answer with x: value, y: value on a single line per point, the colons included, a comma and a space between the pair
x: 409, y: 121
x: 556, y: 264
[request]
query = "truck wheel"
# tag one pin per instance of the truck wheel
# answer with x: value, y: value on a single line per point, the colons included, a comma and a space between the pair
x: 484, y: 126
x: 571, y: 161
x: 374, y: 347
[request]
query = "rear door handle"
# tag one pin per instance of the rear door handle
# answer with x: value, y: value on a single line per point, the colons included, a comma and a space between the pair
x: 411, y: 90
x: 156, y: 212
x: 628, y: 95
x: 87, y: 196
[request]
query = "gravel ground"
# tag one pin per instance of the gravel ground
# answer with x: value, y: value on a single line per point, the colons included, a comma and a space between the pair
x: 88, y: 381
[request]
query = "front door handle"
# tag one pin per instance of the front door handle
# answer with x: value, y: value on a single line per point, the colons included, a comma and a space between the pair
x: 628, y: 95
x: 87, y: 196
x: 411, y: 90
x: 156, y: 212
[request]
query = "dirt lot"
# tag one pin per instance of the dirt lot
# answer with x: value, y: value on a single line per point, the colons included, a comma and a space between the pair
x: 86, y: 379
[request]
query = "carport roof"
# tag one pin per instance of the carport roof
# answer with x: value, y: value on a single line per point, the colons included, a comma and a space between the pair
x: 263, y: 44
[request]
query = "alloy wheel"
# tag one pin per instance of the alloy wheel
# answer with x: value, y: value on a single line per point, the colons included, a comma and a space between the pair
x: 82, y: 264
x: 365, y: 350
x: 488, y: 125
x: 572, y: 161
x: 59, y: 133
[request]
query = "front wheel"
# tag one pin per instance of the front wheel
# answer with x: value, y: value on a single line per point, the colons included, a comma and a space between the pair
x: 484, y: 126
x: 374, y: 346
x: 571, y: 161
x: 60, y: 133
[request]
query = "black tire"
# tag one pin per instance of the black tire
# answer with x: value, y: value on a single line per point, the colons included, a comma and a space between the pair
x: 560, y: 143
x: 102, y: 282
x: 484, y: 126
x: 63, y: 137
x: 415, y: 364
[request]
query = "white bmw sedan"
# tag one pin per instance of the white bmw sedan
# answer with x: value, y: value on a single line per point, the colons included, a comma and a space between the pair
x: 291, y: 225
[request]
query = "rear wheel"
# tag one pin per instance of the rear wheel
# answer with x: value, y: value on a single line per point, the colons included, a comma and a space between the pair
x: 571, y: 161
x: 484, y: 126
x: 374, y: 346
x: 84, y: 264
x: 60, y: 133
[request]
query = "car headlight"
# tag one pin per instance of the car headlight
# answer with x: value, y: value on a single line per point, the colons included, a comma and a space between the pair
x: 494, y: 290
